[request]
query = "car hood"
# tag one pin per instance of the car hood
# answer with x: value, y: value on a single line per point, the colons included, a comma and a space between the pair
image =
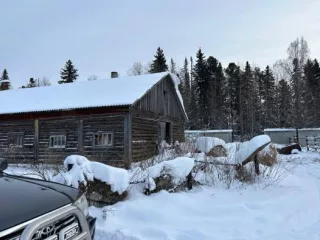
x: 22, y: 199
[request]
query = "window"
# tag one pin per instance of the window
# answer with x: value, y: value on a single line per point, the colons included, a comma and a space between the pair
x: 57, y: 141
x: 16, y: 141
x: 103, y: 139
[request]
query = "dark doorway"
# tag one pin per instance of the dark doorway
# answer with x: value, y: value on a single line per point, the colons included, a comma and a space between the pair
x: 165, y: 131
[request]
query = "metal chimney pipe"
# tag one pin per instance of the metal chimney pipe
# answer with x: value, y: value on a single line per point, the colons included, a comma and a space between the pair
x: 114, y: 74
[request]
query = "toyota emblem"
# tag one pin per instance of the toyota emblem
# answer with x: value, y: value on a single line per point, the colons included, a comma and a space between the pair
x: 47, y: 231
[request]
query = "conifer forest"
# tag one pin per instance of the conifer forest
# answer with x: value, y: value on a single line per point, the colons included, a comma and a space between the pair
x: 247, y: 99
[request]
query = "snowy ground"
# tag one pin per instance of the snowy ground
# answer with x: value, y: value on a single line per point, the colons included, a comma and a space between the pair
x: 289, y: 210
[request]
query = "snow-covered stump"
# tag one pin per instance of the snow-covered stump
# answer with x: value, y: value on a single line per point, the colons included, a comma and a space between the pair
x: 99, y: 194
x: 102, y: 184
x: 173, y: 175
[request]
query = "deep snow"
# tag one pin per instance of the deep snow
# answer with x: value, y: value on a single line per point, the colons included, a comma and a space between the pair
x: 287, y: 210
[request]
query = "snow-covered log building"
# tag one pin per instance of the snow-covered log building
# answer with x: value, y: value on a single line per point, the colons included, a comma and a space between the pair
x: 116, y: 120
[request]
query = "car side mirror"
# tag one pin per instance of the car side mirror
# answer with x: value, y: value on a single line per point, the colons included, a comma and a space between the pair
x: 3, y: 164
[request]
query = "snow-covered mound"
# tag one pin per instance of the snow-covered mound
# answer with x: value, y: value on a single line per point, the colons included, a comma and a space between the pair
x: 255, y: 144
x: 83, y: 169
x: 178, y: 168
x: 205, y: 144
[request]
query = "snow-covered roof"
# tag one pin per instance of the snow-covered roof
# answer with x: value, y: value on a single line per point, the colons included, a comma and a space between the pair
x: 119, y: 91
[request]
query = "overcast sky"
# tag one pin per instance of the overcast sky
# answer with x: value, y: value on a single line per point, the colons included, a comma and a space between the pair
x: 100, y: 36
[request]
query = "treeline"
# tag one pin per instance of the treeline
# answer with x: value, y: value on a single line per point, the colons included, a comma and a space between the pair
x: 247, y: 99
x: 68, y: 74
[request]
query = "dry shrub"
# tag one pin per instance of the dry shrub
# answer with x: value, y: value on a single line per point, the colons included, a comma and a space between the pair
x: 268, y: 156
x: 245, y: 174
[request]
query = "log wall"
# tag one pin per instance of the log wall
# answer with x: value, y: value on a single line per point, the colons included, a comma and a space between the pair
x: 79, y: 132
x: 106, y: 123
x: 51, y: 127
x: 11, y: 129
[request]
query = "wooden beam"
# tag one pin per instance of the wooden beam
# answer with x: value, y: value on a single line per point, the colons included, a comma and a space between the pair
x: 80, y: 137
x: 36, y: 139
x: 127, y: 139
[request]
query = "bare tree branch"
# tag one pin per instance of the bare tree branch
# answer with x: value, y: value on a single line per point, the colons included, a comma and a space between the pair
x: 297, y: 49
x: 44, y: 81
x: 138, y: 69
x: 93, y: 77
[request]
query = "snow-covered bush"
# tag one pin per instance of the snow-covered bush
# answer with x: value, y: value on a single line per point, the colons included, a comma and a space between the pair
x: 168, y: 175
x: 84, y: 170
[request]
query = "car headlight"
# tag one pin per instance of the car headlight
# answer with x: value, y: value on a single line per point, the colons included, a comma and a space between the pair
x: 82, y: 204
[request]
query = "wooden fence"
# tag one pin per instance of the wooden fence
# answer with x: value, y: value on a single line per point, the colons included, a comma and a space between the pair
x: 310, y: 142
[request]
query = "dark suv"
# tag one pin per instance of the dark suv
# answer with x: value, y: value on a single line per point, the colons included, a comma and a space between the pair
x: 32, y: 209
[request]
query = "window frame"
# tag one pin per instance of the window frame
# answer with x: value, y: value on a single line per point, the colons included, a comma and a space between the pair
x: 101, y: 145
x: 51, y: 141
x: 13, y: 140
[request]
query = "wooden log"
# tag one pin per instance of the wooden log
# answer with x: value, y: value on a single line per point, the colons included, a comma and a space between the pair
x: 256, y: 165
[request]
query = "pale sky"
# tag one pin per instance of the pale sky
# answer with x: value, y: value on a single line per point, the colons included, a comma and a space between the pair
x: 100, y: 36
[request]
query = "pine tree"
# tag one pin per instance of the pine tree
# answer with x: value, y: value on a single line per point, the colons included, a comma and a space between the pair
x: 259, y: 88
x: 193, y: 116
x: 316, y: 71
x: 311, y: 95
x: 202, y: 80
x: 297, y: 94
x: 269, y: 98
x: 247, y: 117
x: 173, y: 68
x: 221, y: 118
x: 283, y: 104
x: 5, y: 81
x: 212, y: 64
x: 185, y: 83
x: 69, y: 73
x: 233, y: 97
x: 159, y: 64
x: 32, y: 83
x: 4, y: 75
